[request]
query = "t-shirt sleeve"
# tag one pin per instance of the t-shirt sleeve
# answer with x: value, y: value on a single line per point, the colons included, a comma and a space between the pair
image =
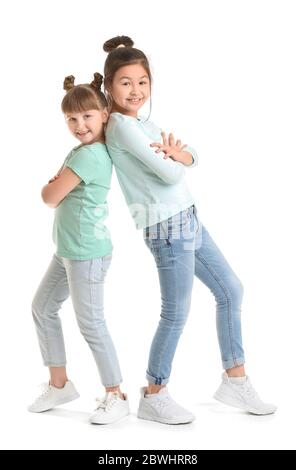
x: 85, y: 164
x: 131, y: 138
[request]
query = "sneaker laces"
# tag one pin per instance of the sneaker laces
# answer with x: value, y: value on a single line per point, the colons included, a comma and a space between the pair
x: 107, y: 402
x: 248, y: 389
x: 163, y: 402
x: 45, y: 389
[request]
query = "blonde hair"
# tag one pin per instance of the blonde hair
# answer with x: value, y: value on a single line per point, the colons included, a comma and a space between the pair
x: 83, y: 97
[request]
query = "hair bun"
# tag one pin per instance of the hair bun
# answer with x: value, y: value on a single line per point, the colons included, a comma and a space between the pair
x: 69, y: 82
x: 113, y: 43
x: 97, y: 81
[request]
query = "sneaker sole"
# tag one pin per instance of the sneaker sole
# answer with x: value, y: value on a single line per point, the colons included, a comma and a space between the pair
x: 232, y: 402
x: 58, y: 403
x: 108, y: 422
x: 163, y: 421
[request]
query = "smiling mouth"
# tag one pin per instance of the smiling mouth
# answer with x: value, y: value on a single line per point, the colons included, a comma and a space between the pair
x: 82, y: 134
x: 134, y: 100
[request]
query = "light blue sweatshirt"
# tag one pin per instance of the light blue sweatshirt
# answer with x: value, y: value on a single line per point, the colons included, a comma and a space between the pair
x: 154, y: 188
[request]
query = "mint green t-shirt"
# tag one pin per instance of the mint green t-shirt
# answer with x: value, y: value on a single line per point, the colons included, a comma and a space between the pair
x: 79, y: 231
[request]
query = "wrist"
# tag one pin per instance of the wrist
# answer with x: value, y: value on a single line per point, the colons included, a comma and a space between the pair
x: 186, y: 158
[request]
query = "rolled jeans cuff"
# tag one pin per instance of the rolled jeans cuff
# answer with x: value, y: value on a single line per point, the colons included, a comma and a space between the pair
x: 156, y: 380
x: 233, y: 363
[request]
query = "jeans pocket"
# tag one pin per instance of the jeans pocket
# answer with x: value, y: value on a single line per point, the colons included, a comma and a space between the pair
x: 163, y: 253
x: 181, y: 221
x: 178, y: 226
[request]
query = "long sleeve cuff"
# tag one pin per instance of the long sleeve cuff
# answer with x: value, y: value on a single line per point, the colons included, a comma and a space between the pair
x: 194, y: 156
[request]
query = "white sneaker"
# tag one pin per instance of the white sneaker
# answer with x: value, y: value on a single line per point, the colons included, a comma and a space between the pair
x: 110, y: 409
x: 162, y: 408
x: 242, y: 395
x: 52, y: 396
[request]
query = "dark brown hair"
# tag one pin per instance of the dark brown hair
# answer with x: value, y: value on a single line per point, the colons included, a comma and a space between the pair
x: 119, y: 57
x: 80, y: 98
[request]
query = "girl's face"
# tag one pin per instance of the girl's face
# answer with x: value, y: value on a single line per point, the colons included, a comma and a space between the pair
x: 130, y: 89
x: 88, y: 126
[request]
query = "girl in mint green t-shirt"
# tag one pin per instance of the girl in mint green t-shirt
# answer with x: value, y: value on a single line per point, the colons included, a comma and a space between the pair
x: 83, y: 254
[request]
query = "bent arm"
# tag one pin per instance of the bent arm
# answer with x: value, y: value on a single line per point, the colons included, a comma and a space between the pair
x: 193, y: 155
x: 53, y: 193
x: 131, y: 138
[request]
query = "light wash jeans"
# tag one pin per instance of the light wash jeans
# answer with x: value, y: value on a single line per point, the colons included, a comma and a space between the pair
x: 84, y: 282
x: 183, y: 248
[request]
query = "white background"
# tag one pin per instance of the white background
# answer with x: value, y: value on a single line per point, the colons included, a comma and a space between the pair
x: 224, y: 82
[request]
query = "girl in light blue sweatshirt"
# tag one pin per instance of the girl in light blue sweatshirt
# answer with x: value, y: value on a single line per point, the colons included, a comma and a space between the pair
x: 150, y: 168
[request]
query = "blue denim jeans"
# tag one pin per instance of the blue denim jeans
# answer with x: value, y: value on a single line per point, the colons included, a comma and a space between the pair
x: 182, y: 248
x: 84, y: 282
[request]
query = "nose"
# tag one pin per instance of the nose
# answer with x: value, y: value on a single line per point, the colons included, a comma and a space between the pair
x: 79, y: 125
x: 134, y: 90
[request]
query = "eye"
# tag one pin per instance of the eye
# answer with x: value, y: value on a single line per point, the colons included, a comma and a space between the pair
x: 71, y: 119
x: 125, y: 83
x: 87, y: 115
x: 143, y: 83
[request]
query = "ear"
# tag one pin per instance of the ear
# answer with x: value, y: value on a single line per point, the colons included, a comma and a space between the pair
x: 105, y: 115
x: 108, y: 87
